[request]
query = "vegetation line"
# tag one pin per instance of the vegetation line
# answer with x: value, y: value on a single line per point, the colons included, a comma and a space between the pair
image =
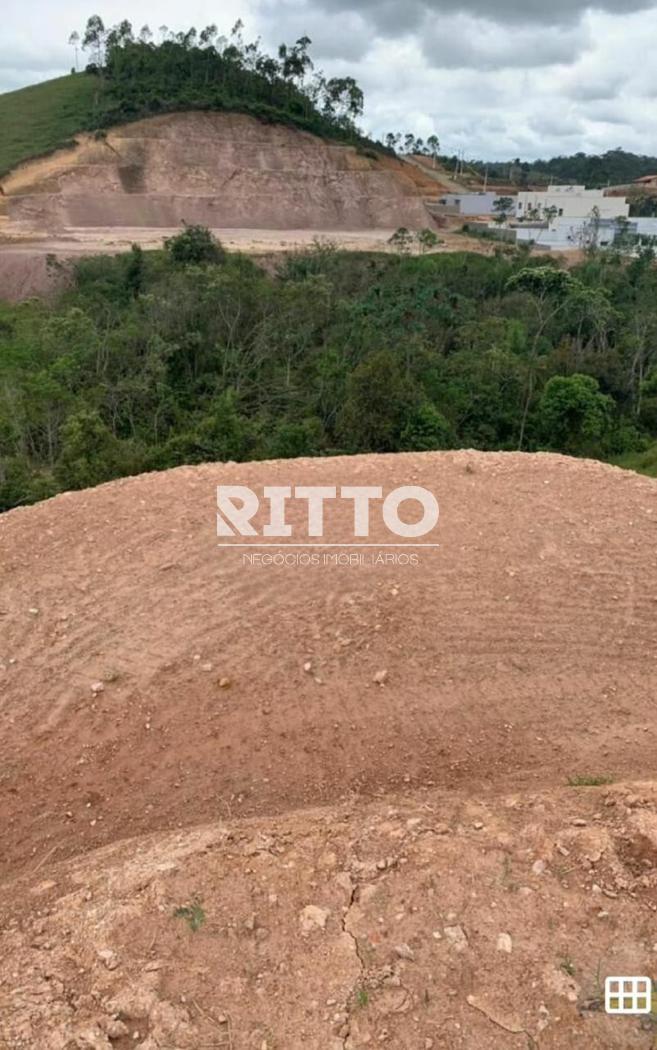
x: 152, y: 360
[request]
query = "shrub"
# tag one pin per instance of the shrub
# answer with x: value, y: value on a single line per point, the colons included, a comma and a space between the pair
x: 195, y: 244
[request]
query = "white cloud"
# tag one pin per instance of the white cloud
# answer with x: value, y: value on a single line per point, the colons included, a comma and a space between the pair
x: 463, y: 42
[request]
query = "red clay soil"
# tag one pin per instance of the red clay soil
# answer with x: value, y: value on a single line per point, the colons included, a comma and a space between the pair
x: 520, y: 652
x: 347, y: 784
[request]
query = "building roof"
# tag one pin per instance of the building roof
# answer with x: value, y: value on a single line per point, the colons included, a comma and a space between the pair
x: 646, y: 179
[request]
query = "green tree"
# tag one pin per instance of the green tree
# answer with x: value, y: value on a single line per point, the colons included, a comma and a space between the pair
x: 74, y: 41
x: 134, y: 274
x: 549, y: 289
x: 427, y: 240
x: 433, y: 145
x: 573, y: 415
x: 426, y: 429
x: 94, y: 39
x: 401, y: 240
x: 90, y: 453
x: 195, y: 244
x: 292, y: 440
x: 502, y: 208
x: 380, y: 400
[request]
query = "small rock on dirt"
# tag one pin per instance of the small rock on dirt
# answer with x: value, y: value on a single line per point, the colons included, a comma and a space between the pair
x: 313, y: 917
x: 404, y: 951
x: 107, y: 956
x: 456, y: 937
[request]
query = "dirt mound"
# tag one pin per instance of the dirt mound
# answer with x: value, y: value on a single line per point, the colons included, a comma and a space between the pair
x: 429, y: 881
x: 218, y: 169
x: 151, y: 680
x: 432, y: 922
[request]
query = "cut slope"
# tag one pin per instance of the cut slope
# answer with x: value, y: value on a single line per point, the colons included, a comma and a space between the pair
x: 219, y: 169
x: 520, y: 652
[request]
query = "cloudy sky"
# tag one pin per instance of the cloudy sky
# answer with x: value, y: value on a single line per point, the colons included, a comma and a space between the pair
x: 498, y: 78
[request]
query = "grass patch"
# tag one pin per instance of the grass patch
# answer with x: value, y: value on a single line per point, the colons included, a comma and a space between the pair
x: 193, y: 915
x: 642, y: 462
x: 589, y: 781
x: 37, y: 120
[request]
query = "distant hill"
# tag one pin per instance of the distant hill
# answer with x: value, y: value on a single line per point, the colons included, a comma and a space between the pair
x: 613, y: 168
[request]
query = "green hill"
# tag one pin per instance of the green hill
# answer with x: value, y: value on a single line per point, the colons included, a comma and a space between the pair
x: 132, y: 77
x: 38, y: 119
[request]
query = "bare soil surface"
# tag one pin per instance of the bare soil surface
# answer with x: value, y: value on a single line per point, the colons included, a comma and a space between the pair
x: 424, y: 921
x: 250, y: 806
x: 151, y: 680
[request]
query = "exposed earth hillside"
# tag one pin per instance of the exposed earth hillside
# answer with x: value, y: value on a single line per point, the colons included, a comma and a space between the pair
x: 220, y: 170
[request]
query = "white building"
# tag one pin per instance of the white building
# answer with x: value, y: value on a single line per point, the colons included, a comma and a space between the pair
x: 569, y: 202
x: 643, y: 227
x: 563, y: 234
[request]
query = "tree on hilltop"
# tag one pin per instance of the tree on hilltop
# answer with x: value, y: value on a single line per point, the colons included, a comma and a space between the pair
x: 94, y: 39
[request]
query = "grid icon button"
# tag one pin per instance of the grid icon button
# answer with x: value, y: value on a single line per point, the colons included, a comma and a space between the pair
x: 628, y: 995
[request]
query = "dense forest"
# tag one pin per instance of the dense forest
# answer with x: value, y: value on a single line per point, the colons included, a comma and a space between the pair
x: 187, y: 355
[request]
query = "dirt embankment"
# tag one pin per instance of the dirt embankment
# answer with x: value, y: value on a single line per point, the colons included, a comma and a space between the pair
x: 346, y: 784
x: 221, y: 170
x: 520, y: 652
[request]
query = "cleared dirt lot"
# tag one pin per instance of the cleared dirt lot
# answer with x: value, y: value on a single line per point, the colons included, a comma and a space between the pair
x: 325, y: 807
